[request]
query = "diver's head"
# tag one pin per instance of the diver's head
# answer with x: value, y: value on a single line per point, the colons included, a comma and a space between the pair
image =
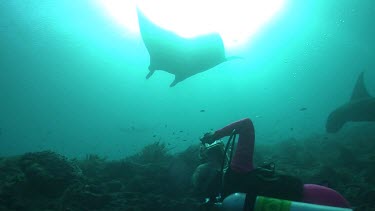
x: 206, y: 178
x: 212, y: 152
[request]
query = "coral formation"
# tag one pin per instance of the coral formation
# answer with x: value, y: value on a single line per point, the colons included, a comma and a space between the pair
x: 155, y: 179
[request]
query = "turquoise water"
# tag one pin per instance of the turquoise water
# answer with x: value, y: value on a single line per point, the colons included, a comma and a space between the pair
x: 73, y: 82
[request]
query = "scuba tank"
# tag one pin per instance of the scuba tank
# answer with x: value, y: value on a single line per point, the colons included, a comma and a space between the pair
x: 236, y: 202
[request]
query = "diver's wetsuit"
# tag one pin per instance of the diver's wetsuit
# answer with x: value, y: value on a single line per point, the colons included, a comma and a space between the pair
x: 242, y: 162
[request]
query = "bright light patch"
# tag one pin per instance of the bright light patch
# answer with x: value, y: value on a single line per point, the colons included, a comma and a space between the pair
x: 236, y: 20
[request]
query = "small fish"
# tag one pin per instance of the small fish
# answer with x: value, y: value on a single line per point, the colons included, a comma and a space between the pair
x: 154, y: 136
x: 303, y: 109
x: 184, y: 140
x: 202, y: 110
x: 291, y: 129
x: 181, y: 131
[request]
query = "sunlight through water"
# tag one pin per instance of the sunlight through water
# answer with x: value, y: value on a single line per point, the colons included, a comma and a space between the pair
x: 235, y: 20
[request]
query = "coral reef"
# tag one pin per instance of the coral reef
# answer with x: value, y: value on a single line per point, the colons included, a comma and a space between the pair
x: 155, y: 179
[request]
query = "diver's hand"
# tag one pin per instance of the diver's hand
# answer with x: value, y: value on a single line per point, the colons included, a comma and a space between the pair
x: 208, y: 138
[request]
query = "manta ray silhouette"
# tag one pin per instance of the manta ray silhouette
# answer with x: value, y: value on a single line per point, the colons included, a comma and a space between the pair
x: 182, y: 57
x: 360, y: 108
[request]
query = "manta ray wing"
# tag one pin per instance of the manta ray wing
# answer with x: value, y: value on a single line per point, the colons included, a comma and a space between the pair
x: 360, y: 91
x: 157, y: 41
x: 182, y: 57
x: 360, y: 108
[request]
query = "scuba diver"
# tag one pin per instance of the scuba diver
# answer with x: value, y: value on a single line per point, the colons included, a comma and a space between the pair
x: 234, y: 179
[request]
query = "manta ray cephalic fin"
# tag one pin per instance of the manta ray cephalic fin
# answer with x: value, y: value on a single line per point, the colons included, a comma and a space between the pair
x: 177, y: 79
x: 150, y: 74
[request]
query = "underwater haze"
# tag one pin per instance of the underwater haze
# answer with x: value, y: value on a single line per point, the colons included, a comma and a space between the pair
x: 73, y: 82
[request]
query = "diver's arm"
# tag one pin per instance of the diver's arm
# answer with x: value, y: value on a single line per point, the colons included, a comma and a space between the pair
x: 242, y: 160
x: 238, y: 126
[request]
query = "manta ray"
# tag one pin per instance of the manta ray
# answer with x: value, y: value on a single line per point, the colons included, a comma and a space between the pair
x: 360, y: 108
x: 182, y: 57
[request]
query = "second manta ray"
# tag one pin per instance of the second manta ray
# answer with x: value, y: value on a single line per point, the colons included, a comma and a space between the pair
x: 182, y: 57
x: 360, y: 108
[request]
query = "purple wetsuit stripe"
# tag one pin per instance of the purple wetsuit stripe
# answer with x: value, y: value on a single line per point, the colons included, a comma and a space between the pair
x: 242, y: 160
